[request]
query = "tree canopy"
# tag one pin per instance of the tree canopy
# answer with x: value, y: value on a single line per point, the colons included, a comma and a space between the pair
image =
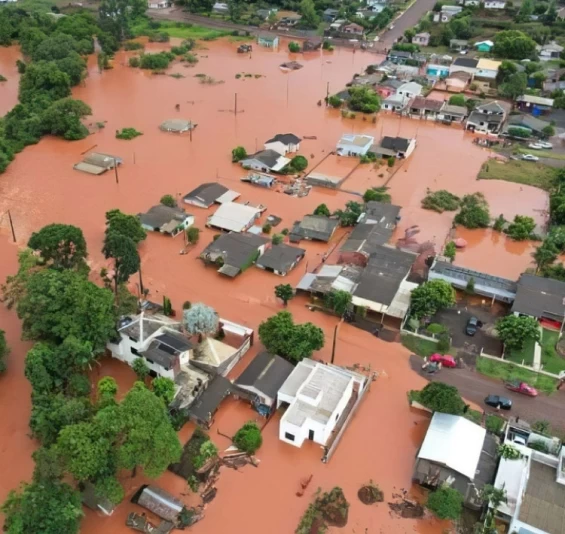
x: 350, y: 215
x: 322, y: 209
x: 440, y: 397
x: 248, y: 438
x: 123, y: 250
x: 430, y: 297
x: 364, y: 99
x: 4, y: 351
x: 474, y: 212
x: 280, y: 335
x: 124, y: 224
x: 514, y: 44
x: 514, y: 330
x: 200, y: 320
x: 284, y: 292
x: 63, y: 245
x: 445, y: 502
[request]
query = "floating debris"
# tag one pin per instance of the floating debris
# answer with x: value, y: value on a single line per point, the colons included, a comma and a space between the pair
x: 291, y: 65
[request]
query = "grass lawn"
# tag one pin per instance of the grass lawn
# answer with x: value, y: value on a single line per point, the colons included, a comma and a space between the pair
x: 506, y: 371
x: 551, y: 361
x: 474, y: 415
x: 524, y: 356
x: 180, y: 30
x: 542, y: 153
x: 419, y: 346
x: 494, y: 424
x: 520, y: 172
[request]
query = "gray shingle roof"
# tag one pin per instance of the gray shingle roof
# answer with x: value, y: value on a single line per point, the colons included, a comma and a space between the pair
x: 286, y: 138
x: 266, y: 373
x: 398, y: 144
x: 235, y: 249
x: 315, y: 227
x: 280, y: 257
x: 386, y: 269
x: 269, y: 158
x: 466, y: 62
x: 207, y: 193
x: 540, y: 297
x: 204, y: 407
x: 160, y: 215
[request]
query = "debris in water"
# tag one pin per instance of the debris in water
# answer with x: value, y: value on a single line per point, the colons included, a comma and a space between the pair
x: 291, y: 65
x: 407, y: 509
x: 370, y: 494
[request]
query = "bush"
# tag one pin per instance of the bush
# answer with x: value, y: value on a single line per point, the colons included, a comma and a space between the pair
x: 127, y: 133
x: 494, y: 424
x: 499, y: 223
x: 378, y: 194
x: 133, y: 45
x: 326, y: 45
x: 521, y: 228
x: 440, y: 397
x: 334, y: 101
x: 134, y: 62
x: 293, y: 47
x: 474, y: 212
x: 277, y: 239
x: 390, y: 161
x: 169, y: 201
x: 267, y: 228
x: 445, y: 503
x: 450, y: 251
x: 523, y: 133
x: 238, y: 153
x: 298, y: 163
x: 443, y: 343
x: 457, y: 100
x: 186, y: 305
x: 158, y: 61
x: 193, y: 235
x: 323, y: 210
x: 248, y: 438
x: 364, y: 99
x: 440, y: 201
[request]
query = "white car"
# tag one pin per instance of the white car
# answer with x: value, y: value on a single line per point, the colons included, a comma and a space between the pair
x: 535, y: 146
x: 529, y: 157
x: 545, y: 144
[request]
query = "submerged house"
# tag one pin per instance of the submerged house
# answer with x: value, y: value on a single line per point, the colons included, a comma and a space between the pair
x: 97, y: 163
x: 313, y: 228
x: 159, y: 501
x: 261, y: 380
x: 267, y: 40
x: 166, y: 220
x: 280, y: 259
x: 209, y: 193
x: 397, y: 147
x: 283, y: 143
x: 487, y: 118
x: 234, y: 217
x: 354, y: 145
x: 234, y: 252
x: 265, y: 161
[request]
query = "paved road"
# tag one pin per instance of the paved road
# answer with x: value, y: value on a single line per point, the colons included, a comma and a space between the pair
x: 475, y: 387
x: 408, y: 19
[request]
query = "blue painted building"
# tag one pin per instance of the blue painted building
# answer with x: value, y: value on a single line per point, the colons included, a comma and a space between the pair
x: 437, y: 71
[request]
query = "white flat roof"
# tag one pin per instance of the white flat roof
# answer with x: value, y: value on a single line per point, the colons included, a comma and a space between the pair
x: 455, y: 442
x: 233, y: 216
x: 510, y: 476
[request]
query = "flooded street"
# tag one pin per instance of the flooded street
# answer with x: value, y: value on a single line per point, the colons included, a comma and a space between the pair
x: 41, y: 187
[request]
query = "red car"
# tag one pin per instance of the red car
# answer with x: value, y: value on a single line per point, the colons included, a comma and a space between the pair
x: 445, y: 359
x: 521, y: 387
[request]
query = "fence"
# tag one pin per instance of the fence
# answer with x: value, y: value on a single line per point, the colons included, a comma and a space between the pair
x: 527, y: 367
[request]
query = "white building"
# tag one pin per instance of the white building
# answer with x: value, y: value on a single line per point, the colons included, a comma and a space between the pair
x: 317, y: 396
x: 265, y: 161
x: 409, y: 90
x: 495, y: 4
x: 284, y: 143
x: 354, y: 145
x: 234, y: 217
x: 155, y: 4
x: 447, y: 13
x: 394, y: 103
x: 157, y: 340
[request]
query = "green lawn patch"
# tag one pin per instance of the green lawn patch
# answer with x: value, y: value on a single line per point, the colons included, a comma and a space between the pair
x: 525, y: 356
x: 542, y: 153
x: 520, y: 172
x: 551, y: 361
x: 180, y: 30
x: 419, y: 346
x: 474, y: 415
x: 494, y: 424
x: 507, y: 371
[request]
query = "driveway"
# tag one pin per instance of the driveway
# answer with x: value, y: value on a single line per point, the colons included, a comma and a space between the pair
x: 475, y: 387
x: 408, y: 19
x: 455, y: 320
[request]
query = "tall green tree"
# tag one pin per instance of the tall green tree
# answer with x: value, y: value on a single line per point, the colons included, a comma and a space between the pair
x: 339, y: 301
x: 505, y: 70
x: 430, y: 297
x: 124, y: 224
x: 322, y: 209
x: 280, y: 335
x: 123, y: 250
x: 440, y: 397
x: 514, y: 86
x: 43, y: 508
x: 4, y: 351
x: 63, y: 118
x: 284, y: 292
x: 545, y: 254
x: 42, y: 83
x: 514, y: 331
x: 63, y: 245
x: 350, y: 215
x: 58, y: 304
x: 164, y: 389
x: 513, y: 44
x: 310, y: 17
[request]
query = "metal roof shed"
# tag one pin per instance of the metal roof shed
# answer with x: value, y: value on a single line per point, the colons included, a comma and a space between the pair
x: 177, y: 125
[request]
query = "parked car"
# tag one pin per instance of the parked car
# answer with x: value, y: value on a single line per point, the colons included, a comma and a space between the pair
x: 529, y: 157
x: 535, y: 146
x: 445, y: 359
x: 472, y: 326
x: 545, y: 144
x: 521, y: 387
x: 496, y: 401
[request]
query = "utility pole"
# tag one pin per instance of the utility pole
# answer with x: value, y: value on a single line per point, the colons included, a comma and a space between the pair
x: 141, y: 281
x: 334, y: 342
x: 116, y: 171
x: 235, y: 107
x: 12, y: 226
x: 190, y: 130
x: 327, y: 93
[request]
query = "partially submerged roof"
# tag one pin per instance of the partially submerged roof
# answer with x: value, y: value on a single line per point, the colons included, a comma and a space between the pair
x: 235, y: 249
x: 177, y: 125
x: 398, y: 144
x: 209, y: 193
x: 420, y: 102
x: 266, y: 373
x: 356, y: 140
x: 540, y: 297
x: 206, y: 405
x: 233, y: 216
x: 374, y: 229
x: 455, y: 442
x: 160, y: 502
x: 97, y: 163
x: 315, y: 227
x: 382, y: 276
x: 286, y: 139
x: 280, y: 257
x: 163, y: 217
x: 270, y: 158
x: 527, y: 121
x: 538, y: 100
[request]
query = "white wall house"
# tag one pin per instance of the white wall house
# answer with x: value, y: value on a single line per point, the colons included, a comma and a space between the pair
x: 495, y: 4
x: 283, y: 143
x: 354, y: 145
x: 409, y: 90
x: 316, y: 395
x: 156, y: 339
x: 156, y: 4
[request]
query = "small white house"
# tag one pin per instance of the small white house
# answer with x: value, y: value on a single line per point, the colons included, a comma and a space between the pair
x: 283, y: 143
x: 155, y: 4
x: 409, y: 90
x: 156, y: 339
x: 221, y: 8
x: 316, y: 395
x: 495, y: 4
x: 165, y: 219
x: 265, y: 161
x: 354, y: 145
x: 394, y: 103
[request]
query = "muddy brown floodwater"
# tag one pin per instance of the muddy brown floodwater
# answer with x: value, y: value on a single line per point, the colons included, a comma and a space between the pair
x: 41, y: 187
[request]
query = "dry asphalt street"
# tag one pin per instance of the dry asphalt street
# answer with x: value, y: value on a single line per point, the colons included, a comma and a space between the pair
x: 475, y: 387
x: 407, y: 20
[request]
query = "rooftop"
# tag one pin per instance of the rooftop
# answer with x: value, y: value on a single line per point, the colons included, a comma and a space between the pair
x: 233, y: 216
x: 286, y: 138
x: 420, y: 102
x: 143, y: 326
x: 356, y: 140
x: 208, y: 402
x: 411, y: 87
x: 315, y: 227
x: 234, y: 248
x: 209, y: 193
x: 491, y: 107
x: 177, y: 125
x: 532, y: 99
x: 540, y: 297
x: 398, y: 144
x: 455, y: 442
x: 213, y: 352
x: 488, y: 64
x: 163, y: 216
x: 270, y: 158
x: 454, y: 110
x: 280, y: 257
x: 468, y: 62
x: 528, y: 121
x: 266, y: 373
x: 381, y: 278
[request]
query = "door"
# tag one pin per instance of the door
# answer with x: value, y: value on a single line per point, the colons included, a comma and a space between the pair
x: 311, y: 435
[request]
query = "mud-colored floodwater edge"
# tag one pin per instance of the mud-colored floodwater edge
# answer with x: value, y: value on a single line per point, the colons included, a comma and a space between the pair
x: 370, y: 494
x: 328, y: 509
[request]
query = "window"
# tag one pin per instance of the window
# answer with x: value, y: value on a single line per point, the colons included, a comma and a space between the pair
x: 288, y: 436
x: 134, y: 351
